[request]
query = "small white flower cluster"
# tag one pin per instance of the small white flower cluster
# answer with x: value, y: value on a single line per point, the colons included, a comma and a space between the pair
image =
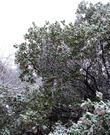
x: 93, y: 122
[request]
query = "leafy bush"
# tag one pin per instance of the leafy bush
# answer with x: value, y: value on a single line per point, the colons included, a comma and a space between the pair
x: 95, y: 120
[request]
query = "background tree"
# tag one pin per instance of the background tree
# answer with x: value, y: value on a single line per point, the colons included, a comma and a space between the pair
x: 9, y: 78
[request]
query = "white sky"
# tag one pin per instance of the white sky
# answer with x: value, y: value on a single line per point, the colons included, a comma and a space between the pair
x: 16, y: 16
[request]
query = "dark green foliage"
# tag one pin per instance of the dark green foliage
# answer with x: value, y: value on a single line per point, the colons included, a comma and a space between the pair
x: 73, y: 61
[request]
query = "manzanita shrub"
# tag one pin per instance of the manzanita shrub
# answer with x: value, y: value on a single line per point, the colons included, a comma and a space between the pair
x: 95, y: 120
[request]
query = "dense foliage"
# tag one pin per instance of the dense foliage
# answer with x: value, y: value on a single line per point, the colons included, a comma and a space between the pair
x: 95, y: 120
x: 73, y: 61
x: 72, y: 58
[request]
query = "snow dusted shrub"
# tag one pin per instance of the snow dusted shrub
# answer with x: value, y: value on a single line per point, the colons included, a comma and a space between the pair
x: 95, y: 120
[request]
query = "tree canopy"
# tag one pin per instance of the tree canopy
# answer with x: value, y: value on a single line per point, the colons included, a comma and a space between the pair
x: 70, y: 57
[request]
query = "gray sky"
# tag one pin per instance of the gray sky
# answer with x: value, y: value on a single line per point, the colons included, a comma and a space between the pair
x: 16, y: 16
